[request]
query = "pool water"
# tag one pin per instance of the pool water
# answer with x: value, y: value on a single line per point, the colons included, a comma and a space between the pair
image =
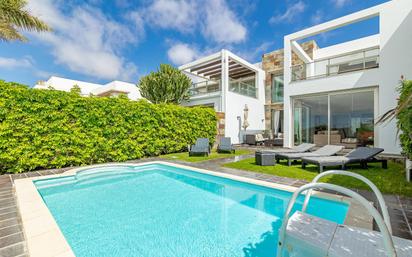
x: 161, y: 210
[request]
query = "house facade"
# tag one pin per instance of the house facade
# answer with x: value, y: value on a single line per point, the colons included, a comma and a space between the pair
x: 305, y: 93
x: 111, y: 89
x: 230, y: 85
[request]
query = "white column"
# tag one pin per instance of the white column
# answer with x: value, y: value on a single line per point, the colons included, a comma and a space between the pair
x: 287, y: 109
x: 224, y: 80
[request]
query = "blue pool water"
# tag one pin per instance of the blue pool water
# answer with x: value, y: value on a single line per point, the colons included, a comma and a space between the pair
x: 160, y: 210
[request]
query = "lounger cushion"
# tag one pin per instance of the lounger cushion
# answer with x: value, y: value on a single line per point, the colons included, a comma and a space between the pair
x: 326, y: 150
x: 326, y: 160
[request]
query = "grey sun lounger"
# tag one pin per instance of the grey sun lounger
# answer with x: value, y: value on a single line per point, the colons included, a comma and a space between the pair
x: 361, y: 155
x: 202, y: 147
x: 225, y: 146
x: 327, y: 150
x: 305, y: 147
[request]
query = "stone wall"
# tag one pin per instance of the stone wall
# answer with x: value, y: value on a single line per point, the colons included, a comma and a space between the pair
x: 272, y: 64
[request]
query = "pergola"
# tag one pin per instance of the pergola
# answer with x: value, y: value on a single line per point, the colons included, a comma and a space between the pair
x: 216, y: 66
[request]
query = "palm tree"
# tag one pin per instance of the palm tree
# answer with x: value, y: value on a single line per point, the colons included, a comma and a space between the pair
x: 13, y: 17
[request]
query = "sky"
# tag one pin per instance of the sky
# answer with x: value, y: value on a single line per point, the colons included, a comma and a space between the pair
x: 103, y: 40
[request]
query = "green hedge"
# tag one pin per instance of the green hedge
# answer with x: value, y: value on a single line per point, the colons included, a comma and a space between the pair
x: 53, y: 129
x: 405, y: 117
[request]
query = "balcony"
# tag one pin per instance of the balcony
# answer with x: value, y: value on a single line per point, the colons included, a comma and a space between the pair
x: 204, y: 88
x: 355, y: 61
x: 245, y: 87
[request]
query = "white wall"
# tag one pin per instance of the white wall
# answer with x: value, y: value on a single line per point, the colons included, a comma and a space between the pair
x: 235, y: 104
x: 213, y: 98
x: 346, y: 47
x: 395, y: 60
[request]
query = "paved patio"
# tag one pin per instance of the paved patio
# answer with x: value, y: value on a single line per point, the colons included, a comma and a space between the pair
x: 12, y: 243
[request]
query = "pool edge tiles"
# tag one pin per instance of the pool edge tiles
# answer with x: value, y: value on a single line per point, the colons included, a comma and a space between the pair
x: 44, y: 237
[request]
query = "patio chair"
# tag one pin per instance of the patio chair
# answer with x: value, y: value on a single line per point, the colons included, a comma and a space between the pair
x: 327, y: 150
x: 361, y: 155
x: 305, y: 147
x: 225, y: 146
x: 202, y: 147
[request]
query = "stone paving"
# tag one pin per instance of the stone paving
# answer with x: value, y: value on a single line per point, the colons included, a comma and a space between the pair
x: 12, y: 243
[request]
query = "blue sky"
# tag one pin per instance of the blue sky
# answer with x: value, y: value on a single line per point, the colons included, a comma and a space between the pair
x: 104, y: 40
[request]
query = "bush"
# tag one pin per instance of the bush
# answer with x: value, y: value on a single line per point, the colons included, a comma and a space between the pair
x: 53, y: 129
x: 404, y: 115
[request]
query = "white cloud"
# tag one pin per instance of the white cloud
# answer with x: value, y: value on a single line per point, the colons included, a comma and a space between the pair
x: 181, y: 53
x: 340, y: 3
x: 317, y: 18
x: 172, y: 14
x: 221, y: 23
x: 216, y: 20
x: 85, y: 40
x: 292, y: 12
x: 11, y: 63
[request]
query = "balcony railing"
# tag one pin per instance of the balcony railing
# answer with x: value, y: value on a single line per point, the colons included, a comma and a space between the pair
x: 355, y: 61
x: 246, y: 88
x: 204, y: 87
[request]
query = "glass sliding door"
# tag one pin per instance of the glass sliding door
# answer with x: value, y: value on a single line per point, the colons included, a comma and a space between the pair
x: 350, y: 116
x: 311, y: 120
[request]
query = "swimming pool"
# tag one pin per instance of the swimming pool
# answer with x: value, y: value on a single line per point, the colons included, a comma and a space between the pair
x: 162, y: 210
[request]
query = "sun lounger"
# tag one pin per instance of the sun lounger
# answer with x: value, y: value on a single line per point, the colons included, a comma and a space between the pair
x: 202, y: 147
x: 361, y: 155
x: 327, y: 150
x: 305, y: 147
x: 225, y: 146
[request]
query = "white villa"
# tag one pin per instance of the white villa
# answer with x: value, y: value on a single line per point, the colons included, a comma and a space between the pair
x: 113, y: 88
x: 330, y: 95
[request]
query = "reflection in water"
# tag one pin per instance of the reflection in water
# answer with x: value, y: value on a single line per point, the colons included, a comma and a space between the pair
x: 267, y: 246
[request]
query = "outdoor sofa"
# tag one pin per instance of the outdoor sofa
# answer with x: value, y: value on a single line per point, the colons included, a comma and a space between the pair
x: 225, y: 146
x: 361, y: 155
x: 201, y: 147
x: 327, y: 150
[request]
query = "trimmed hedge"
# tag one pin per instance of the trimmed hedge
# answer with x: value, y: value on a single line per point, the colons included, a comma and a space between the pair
x: 53, y: 129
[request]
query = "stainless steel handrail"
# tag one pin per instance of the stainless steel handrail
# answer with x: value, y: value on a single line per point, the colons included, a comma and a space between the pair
x: 386, y: 236
x: 375, y: 190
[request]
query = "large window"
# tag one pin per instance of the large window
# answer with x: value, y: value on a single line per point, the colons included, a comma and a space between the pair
x: 277, y: 88
x: 310, y: 119
x: 336, y: 118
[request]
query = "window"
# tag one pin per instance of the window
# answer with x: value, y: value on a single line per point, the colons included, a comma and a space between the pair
x: 336, y: 118
x: 277, y: 88
x: 245, y: 87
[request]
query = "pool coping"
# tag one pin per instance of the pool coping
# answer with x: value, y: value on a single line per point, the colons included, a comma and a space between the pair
x: 45, y: 239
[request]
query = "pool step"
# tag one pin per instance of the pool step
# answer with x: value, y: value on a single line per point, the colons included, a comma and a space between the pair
x: 307, y: 235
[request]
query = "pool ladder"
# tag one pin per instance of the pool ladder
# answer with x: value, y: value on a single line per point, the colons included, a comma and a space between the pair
x: 383, y: 223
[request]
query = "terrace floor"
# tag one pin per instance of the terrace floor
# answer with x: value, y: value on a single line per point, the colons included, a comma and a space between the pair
x: 12, y: 242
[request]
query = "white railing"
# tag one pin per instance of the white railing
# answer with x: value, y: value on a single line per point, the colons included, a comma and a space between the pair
x: 375, y: 190
x: 386, y: 236
x: 355, y: 61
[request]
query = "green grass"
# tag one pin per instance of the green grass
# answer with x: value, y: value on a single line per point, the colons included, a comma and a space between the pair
x: 389, y: 181
x: 214, y: 155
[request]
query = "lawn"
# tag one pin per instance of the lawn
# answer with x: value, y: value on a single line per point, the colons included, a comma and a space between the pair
x: 389, y: 181
x: 214, y: 155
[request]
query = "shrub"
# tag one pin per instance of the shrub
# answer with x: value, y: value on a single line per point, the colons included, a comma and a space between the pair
x: 166, y: 85
x: 53, y: 129
x: 404, y: 115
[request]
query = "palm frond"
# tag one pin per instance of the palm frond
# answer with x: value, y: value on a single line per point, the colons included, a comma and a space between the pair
x: 8, y: 33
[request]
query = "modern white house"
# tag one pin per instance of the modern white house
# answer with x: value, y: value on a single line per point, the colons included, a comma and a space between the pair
x: 229, y: 84
x: 340, y: 91
x: 113, y: 88
x: 329, y: 95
